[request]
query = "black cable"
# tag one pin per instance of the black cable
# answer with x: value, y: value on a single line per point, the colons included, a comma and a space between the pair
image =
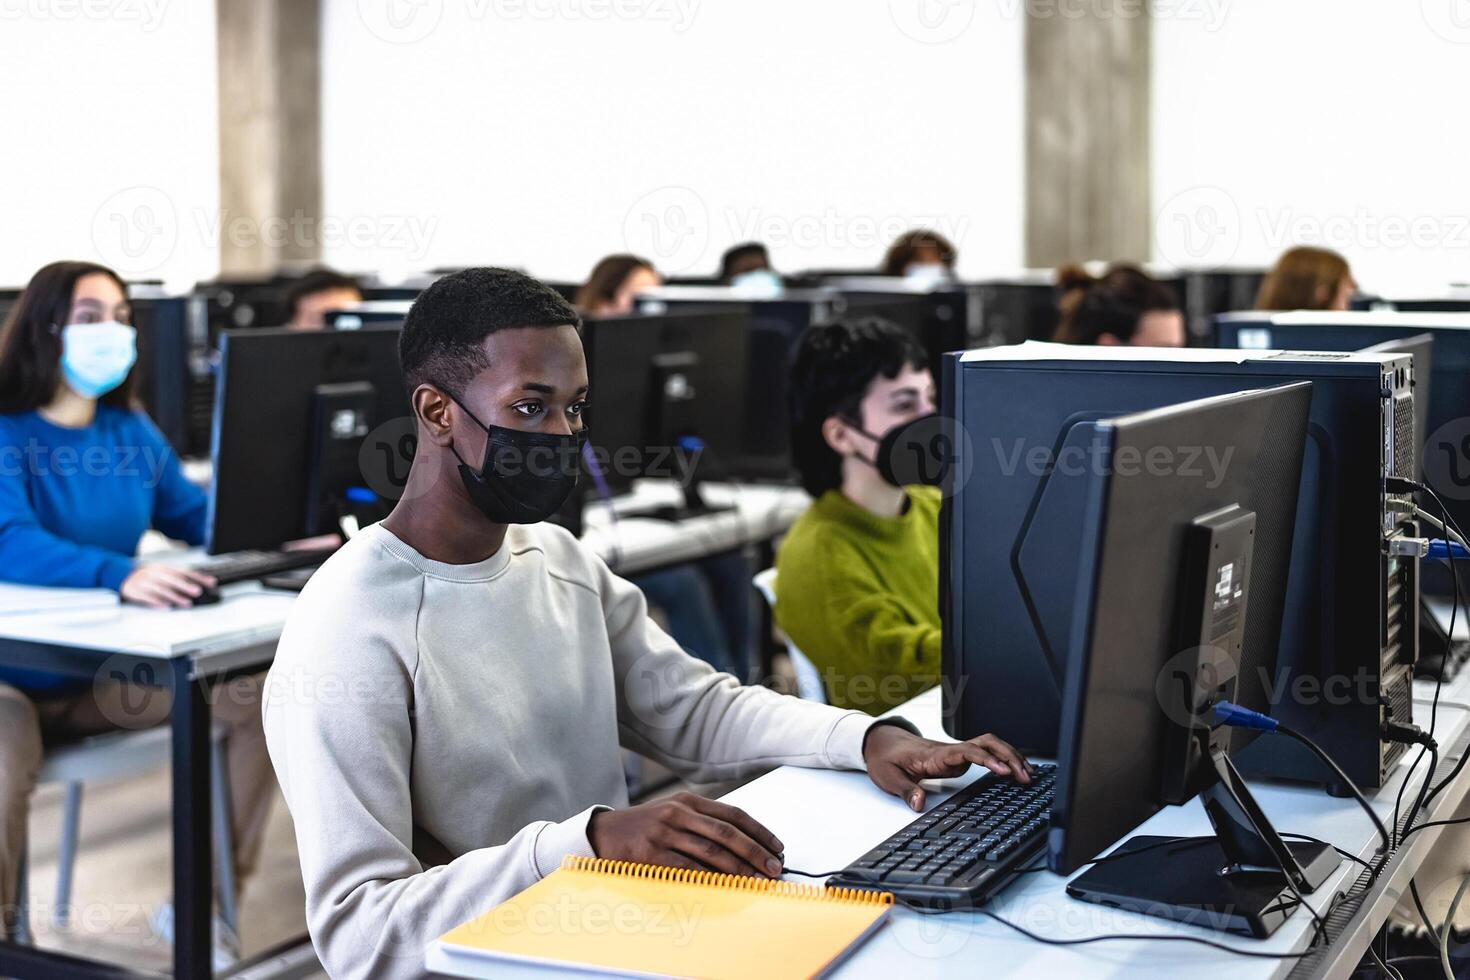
x: 1346, y: 781
x: 1419, y: 904
x: 1423, y: 800
x: 1435, y: 823
x: 1110, y: 937
x: 1116, y: 855
x: 1449, y: 641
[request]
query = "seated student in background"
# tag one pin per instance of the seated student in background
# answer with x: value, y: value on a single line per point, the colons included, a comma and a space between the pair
x: 922, y: 256
x: 857, y: 577
x: 496, y: 666
x: 748, y: 267
x: 614, y: 284
x: 317, y: 293
x: 83, y: 473
x: 706, y: 604
x: 1122, y: 306
x: 1307, y: 278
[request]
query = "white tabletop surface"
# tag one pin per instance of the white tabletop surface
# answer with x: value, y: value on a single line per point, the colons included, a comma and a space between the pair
x: 630, y: 544
x: 251, y: 615
x: 827, y: 819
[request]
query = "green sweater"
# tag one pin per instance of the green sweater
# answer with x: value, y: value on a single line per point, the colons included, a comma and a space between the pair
x: 859, y: 595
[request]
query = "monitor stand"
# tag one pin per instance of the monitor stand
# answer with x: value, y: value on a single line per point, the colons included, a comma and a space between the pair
x: 694, y: 504
x: 1231, y: 882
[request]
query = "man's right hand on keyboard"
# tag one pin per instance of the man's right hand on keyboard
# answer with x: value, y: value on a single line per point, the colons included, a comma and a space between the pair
x: 898, y: 759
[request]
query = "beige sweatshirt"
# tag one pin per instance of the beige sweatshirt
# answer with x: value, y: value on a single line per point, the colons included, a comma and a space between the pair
x: 420, y: 712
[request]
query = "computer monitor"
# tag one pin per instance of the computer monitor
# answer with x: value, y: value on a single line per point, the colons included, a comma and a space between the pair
x: 941, y: 317
x: 291, y: 412
x: 1443, y: 304
x: 381, y: 312
x: 773, y: 325
x: 1173, y: 567
x: 1444, y: 388
x: 173, y: 365
x: 1208, y: 293
x: 665, y: 402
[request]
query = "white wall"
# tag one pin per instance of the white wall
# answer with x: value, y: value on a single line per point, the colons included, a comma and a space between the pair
x: 547, y: 133
x: 110, y: 147
x: 1336, y: 122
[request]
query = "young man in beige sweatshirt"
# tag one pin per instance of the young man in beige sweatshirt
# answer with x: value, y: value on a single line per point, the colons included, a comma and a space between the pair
x: 450, y: 694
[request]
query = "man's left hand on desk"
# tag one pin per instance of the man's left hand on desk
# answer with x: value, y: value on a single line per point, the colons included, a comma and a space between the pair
x: 898, y: 759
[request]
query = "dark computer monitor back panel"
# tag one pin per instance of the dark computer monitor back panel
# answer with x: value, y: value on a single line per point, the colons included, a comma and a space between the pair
x: 939, y: 321
x: 1447, y: 304
x: 1132, y: 592
x: 632, y: 364
x: 774, y: 326
x: 1008, y: 537
x: 1014, y: 312
x: 1210, y: 293
x: 172, y: 366
x: 1448, y: 377
x: 264, y: 403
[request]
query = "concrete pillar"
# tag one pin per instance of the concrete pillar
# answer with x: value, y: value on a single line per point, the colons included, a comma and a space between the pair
x: 1087, y: 132
x: 269, y: 134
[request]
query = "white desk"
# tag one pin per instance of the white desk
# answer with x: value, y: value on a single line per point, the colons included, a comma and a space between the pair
x: 87, y: 635
x: 632, y: 544
x: 827, y: 819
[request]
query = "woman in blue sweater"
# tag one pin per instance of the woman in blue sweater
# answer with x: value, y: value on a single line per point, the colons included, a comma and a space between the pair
x: 83, y: 473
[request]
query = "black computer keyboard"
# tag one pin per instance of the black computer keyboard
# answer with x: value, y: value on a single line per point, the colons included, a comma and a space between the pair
x: 966, y: 848
x: 242, y: 566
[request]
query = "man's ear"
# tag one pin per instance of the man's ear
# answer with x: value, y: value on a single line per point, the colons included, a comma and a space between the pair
x: 432, y: 407
x: 838, y: 435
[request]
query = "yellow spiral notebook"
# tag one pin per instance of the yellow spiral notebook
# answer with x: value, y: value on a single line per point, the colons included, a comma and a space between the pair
x: 644, y: 920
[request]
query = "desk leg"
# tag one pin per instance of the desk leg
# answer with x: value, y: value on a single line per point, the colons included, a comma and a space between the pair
x: 193, y: 880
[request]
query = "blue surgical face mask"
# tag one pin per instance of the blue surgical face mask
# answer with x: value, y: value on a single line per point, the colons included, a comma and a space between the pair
x: 757, y: 282
x: 96, y: 357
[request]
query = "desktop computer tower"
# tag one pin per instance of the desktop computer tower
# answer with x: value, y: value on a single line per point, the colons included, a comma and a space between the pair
x: 1348, y: 613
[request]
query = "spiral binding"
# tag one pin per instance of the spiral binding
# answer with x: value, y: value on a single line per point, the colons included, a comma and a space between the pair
x: 716, y: 879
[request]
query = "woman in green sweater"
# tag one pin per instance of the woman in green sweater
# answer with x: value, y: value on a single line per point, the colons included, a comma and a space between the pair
x: 857, y: 578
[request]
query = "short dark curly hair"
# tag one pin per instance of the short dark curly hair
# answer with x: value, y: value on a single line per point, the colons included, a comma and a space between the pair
x: 831, y: 368
x: 448, y: 323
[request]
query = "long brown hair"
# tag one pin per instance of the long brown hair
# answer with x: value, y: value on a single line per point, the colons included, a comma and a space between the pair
x: 607, y: 278
x: 1304, y: 278
x: 30, y: 341
x: 1112, y: 303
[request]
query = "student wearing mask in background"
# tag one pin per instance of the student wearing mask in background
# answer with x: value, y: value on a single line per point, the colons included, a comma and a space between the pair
x: 1307, y: 278
x: 317, y: 293
x: 921, y: 256
x: 747, y: 268
x: 857, y: 577
x: 1122, y: 306
x: 615, y: 283
x: 83, y: 473
x: 705, y: 604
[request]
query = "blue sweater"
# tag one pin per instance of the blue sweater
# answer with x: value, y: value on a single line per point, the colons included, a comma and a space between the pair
x: 75, y: 502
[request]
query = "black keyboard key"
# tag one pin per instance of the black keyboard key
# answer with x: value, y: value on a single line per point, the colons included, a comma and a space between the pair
x: 903, y: 876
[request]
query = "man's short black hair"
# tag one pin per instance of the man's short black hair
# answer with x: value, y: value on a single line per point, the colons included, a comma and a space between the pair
x: 318, y: 281
x: 448, y: 323
x: 831, y: 369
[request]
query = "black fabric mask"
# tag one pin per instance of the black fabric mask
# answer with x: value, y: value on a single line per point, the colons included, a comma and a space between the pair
x: 909, y: 454
x: 525, y: 476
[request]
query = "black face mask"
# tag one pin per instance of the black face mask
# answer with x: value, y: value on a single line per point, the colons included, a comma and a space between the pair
x: 526, y: 476
x: 912, y: 453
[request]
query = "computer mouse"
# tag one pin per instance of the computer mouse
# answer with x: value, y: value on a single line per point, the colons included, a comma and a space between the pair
x: 208, y: 597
